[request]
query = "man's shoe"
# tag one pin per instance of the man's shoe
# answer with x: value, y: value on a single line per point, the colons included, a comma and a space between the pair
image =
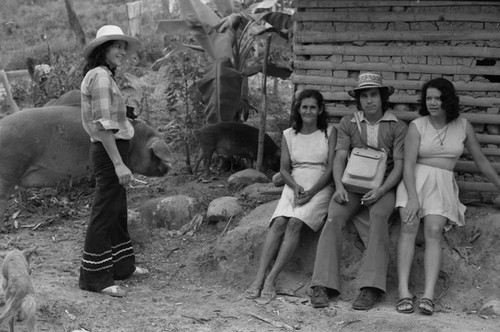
x: 319, y: 297
x: 367, y: 298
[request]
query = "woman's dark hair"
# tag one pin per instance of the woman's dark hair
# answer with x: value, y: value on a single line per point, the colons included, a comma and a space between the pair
x: 322, y: 121
x: 449, y: 99
x: 384, y: 96
x: 98, y: 58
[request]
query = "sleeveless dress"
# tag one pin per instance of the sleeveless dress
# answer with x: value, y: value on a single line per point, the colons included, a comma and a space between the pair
x: 436, y: 188
x: 309, y: 158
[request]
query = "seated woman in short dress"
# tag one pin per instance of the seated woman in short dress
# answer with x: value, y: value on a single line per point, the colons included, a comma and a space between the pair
x: 307, y: 151
x: 433, y: 144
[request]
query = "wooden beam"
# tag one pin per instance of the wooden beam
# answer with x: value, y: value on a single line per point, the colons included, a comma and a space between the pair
x: 470, y: 167
x: 402, y: 68
x: 401, y: 98
x: 16, y: 74
x: 398, y: 84
x: 414, y: 35
x: 483, y: 118
x: 383, y: 17
x: 397, y: 50
x: 398, y: 3
x: 491, y: 152
x: 476, y: 186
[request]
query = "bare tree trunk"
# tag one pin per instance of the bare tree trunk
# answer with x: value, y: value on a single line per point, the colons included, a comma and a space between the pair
x: 75, y: 23
x: 263, y: 111
x: 166, y: 9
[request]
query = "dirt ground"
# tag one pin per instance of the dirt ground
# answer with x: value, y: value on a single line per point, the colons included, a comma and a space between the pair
x: 184, y: 291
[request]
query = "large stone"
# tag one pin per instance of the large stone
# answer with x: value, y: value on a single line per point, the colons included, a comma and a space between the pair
x: 223, y: 208
x: 492, y: 308
x: 139, y: 232
x: 247, y: 176
x: 257, y: 190
x: 171, y: 212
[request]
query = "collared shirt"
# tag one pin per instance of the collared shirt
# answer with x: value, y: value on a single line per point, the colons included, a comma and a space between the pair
x: 372, y: 129
x: 103, y: 106
x: 389, y: 131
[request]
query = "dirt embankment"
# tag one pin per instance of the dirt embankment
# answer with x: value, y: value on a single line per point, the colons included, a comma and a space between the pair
x: 197, y: 282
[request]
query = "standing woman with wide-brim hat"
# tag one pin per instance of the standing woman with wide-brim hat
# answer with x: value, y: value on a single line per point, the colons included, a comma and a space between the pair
x: 107, y: 254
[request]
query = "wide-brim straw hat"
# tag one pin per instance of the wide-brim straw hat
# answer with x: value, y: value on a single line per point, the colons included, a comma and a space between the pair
x: 369, y: 81
x: 111, y: 32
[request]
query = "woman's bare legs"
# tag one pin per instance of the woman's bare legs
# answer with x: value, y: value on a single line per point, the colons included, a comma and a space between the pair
x: 288, y: 247
x: 433, y: 229
x: 406, y: 250
x: 269, y: 251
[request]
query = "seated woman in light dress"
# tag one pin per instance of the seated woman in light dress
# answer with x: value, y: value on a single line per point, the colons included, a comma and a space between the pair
x: 307, y: 151
x: 433, y: 144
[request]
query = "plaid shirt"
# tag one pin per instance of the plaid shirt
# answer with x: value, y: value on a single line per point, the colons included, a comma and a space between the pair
x: 103, y: 106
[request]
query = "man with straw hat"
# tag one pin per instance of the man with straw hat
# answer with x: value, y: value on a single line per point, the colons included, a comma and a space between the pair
x: 382, y: 130
x: 107, y: 254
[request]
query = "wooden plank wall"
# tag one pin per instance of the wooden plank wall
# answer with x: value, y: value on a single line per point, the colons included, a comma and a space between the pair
x: 408, y: 43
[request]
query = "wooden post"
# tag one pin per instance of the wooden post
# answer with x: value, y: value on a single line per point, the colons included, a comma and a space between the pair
x: 166, y: 9
x: 263, y: 110
x: 5, y: 82
x: 134, y: 13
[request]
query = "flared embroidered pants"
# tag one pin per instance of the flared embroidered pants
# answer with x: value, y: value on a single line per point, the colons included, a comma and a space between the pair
x: 107, y: 254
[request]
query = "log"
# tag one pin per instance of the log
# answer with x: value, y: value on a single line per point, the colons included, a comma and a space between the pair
x: 399, y: 98
x: 399, y: 3
x: 488, y: 139
x: 309, y: 37
x: 5, y: 82
x: 490, y: 152
x: 463, y: 166
x: 396, y: 50
x: 382, y: 17
x: 16, y: 74
x: 404, y: 68
x: 482, y: 118
x: 476, y: 186
x: 398, y: 84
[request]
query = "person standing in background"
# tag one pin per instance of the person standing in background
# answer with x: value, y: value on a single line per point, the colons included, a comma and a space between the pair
x: 107, y: 254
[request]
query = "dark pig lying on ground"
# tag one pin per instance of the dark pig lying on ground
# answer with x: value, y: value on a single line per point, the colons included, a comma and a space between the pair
x: 44, y: 147
x: 235, y: 139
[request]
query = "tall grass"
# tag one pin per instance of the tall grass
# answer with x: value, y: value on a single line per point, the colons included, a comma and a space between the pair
x: 27, y: 26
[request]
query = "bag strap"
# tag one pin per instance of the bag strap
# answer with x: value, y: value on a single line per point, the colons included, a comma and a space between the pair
x: 361, y: 134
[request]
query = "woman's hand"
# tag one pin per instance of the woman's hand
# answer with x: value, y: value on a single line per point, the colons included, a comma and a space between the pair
x: 340, y: 196
x: 123, y: 173
x: 298, y: 191
x: 305, y: 197
x: 411, y: 210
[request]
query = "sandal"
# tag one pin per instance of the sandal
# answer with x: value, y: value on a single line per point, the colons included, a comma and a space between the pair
x: 140, y: 271
x: 426, y: 306
x: 406, y: 305
x: 114, y: 291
